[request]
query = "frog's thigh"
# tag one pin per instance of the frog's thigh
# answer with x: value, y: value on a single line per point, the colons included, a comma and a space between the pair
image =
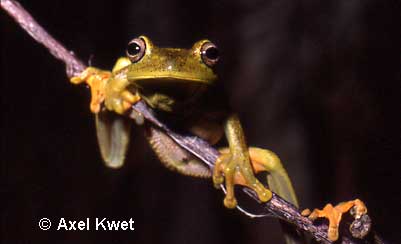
x: 113, y: 134
x: 277, y: 178
x: 173, y: 156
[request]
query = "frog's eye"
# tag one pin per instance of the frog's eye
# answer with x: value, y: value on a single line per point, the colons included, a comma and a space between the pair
x: 209, y: 53
x: 136, y: 49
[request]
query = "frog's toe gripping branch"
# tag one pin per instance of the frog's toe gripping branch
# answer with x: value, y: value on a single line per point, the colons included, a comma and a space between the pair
x: 120, y: 102
x: 237, y: 172
x: 113, y: 130
x: 264, y: 160
x: 103, y: 87
x: 261, y: 160
x: 334, y: 214
x: 96, y: 79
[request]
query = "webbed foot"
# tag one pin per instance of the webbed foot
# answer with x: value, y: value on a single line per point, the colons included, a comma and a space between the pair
x: 119, y: 99
x: 334, y: 214
x: 96, y: 79
x: 108, y: 89
x: 237, y: 170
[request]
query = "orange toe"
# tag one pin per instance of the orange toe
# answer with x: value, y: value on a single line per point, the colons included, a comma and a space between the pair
x: 334, y: 215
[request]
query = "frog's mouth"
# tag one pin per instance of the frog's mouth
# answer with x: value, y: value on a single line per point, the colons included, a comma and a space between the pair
x: 178, y: 90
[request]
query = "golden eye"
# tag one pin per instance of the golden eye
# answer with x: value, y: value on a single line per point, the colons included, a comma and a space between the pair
x: 209, y: 53
x: 136, y: 49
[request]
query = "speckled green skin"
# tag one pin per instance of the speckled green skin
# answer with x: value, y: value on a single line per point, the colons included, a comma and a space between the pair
x: 161, y: 65
x: 175, y: 63
x: 176, y: 69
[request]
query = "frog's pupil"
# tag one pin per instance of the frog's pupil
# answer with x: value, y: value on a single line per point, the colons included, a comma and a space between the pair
x: 212, y: 53
x: 134, y: 49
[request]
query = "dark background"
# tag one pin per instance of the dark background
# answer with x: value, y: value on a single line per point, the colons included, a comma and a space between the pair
x: 317, y: 82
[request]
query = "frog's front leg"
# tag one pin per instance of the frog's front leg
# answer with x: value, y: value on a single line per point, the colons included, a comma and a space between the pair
x: 96, y: 79
x: 235, y: 168
x: 108, y: 87
x: 117, y: 97
x: 113, y: 131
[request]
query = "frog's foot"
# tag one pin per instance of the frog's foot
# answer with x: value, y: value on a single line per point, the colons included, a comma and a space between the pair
x: 96, y: 79
x: 334, y: 214
x: 237, y: 170
x: 120, y: 101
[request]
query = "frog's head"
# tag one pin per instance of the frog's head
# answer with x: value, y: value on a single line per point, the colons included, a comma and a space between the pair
x: 167, y: 77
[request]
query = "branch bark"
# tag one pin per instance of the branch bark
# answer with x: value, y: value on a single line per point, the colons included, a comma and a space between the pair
x: 277, y: 206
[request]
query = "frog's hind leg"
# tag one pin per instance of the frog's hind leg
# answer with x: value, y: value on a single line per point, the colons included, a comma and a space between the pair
x: 334, y: 214
x: 277, y: 178
x: 113, y: 134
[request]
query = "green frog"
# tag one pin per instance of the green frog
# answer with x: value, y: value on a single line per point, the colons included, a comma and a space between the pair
x: 179, y: 84
x: 176, y: 83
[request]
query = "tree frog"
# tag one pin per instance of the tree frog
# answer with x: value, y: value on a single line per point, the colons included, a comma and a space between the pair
x: 178, y: 84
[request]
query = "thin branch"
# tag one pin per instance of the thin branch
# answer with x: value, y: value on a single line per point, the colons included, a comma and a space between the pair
x: 277, y: 206
x: 74, y: 66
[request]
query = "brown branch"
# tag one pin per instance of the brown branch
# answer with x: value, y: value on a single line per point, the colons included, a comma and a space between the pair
x: 277, y: 206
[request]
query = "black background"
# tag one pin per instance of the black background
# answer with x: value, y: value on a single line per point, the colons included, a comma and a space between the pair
x: 317, y: 82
